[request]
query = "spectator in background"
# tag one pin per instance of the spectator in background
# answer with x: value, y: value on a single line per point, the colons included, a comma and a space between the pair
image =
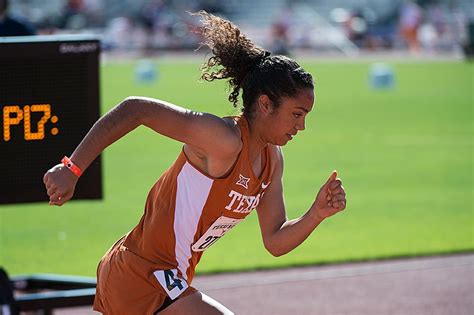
x: 10, y: 26
x: 437, y: 18
x: 74, y: 15
x: 356, y: 28
x: 410, y: 20
x: 150, y: 18
x: 280, y: 31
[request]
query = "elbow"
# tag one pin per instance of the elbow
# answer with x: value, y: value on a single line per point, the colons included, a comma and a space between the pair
x: 128, y: 102
x: 277, y: 254
x: 275, y: 251
x: 131, y: 110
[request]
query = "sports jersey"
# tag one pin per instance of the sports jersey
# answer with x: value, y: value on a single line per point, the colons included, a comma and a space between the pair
x: 186, y: 212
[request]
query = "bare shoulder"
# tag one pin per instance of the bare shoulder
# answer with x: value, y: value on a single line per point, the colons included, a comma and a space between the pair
x: 224, y: 138
x: 222, y: 145
x: 231, y: 123
x: 225, y: 141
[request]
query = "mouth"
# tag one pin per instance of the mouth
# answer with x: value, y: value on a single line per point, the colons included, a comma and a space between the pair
x: 290, y: 136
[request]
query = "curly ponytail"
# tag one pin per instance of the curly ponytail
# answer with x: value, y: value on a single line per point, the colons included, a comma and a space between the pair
x: 247, y: 66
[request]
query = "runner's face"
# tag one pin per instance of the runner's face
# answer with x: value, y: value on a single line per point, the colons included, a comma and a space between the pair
x: 289, y: 117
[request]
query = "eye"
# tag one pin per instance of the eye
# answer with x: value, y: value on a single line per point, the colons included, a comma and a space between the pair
x: 297, y: 115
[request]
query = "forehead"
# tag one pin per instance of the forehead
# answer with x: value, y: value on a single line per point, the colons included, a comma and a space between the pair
x: 304, y: 99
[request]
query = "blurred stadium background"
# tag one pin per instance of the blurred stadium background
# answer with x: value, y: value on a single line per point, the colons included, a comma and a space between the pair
x: 315, y: 26
x: 394, y: 114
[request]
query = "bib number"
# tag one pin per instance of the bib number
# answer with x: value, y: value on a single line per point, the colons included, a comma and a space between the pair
x: 170, y: 281
x: 221, y: 226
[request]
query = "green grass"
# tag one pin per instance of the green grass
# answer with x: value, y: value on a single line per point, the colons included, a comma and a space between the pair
x: 405, y: 155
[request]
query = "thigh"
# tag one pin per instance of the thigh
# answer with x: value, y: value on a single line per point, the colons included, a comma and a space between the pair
x: 196, y: 304
x: 126, y: 285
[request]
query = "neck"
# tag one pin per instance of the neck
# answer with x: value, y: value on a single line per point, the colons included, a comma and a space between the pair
x: 256, y: 139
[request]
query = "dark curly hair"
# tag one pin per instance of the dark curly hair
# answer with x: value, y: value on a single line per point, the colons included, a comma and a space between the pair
x: 247, y: 66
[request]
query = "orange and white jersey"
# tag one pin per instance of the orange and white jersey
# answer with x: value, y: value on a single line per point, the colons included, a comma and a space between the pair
x: 187, y: 211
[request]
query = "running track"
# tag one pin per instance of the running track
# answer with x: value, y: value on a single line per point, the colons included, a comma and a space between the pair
x: 441, y: 285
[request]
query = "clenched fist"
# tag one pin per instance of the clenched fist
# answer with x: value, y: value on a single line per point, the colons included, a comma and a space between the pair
x: 331, y: 198
x: 60, y: 184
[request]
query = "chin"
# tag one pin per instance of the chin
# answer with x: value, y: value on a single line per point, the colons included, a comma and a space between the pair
x: 280, y: 142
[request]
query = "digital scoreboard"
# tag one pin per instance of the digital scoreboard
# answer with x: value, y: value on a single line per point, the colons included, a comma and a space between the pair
x: 49, y: 99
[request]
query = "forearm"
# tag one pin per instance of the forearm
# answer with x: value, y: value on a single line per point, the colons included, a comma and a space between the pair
x: 292, y: 233
x: 119, y: 121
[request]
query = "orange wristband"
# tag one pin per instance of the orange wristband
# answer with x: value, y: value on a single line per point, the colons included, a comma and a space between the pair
x: 71, y: 166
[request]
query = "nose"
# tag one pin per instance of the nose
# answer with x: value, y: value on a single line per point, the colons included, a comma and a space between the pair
x: 300, y: 125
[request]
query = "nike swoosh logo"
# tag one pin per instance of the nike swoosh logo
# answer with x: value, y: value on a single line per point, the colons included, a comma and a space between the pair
x: 265, y: 185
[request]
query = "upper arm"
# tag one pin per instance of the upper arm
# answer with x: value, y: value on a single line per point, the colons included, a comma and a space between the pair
x: 207, y: 133
x: 271, y: 210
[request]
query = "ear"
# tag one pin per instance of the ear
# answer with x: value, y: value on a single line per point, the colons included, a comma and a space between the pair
x: 264, y: 104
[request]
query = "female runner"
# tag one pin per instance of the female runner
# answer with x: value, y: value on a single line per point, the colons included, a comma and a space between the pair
x: 227, y: 167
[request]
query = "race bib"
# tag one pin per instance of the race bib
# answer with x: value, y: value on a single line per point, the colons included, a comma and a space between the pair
x: 215, y: 232
x: 170, y: 281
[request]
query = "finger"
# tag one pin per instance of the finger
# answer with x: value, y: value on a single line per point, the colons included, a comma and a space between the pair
x: 57, y: 202
x: 339, y: 190
x: 63, y: 199
x: 51, y: 190
x: 55, y: 196
x: 48, y: 187
x: 331, y: 178
x: 338, y: 197
x: 46, y: 178
x: 67, y: 197
x: 341, y: 205
x: 335, y: 184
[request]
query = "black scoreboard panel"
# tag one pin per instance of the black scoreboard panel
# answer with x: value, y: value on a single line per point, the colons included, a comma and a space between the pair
x: 49, y: 99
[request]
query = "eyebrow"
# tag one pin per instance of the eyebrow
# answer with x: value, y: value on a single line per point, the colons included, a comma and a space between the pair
x: 303, y: 109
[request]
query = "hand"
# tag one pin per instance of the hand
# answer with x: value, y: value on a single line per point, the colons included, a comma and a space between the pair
x: 60, y: 184
x: 331, y: 198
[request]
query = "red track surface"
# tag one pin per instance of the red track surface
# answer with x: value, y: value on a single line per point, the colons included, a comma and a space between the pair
x: 418, y: 286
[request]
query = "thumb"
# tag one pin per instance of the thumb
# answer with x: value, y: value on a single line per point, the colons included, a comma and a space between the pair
x: 331, y: 178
